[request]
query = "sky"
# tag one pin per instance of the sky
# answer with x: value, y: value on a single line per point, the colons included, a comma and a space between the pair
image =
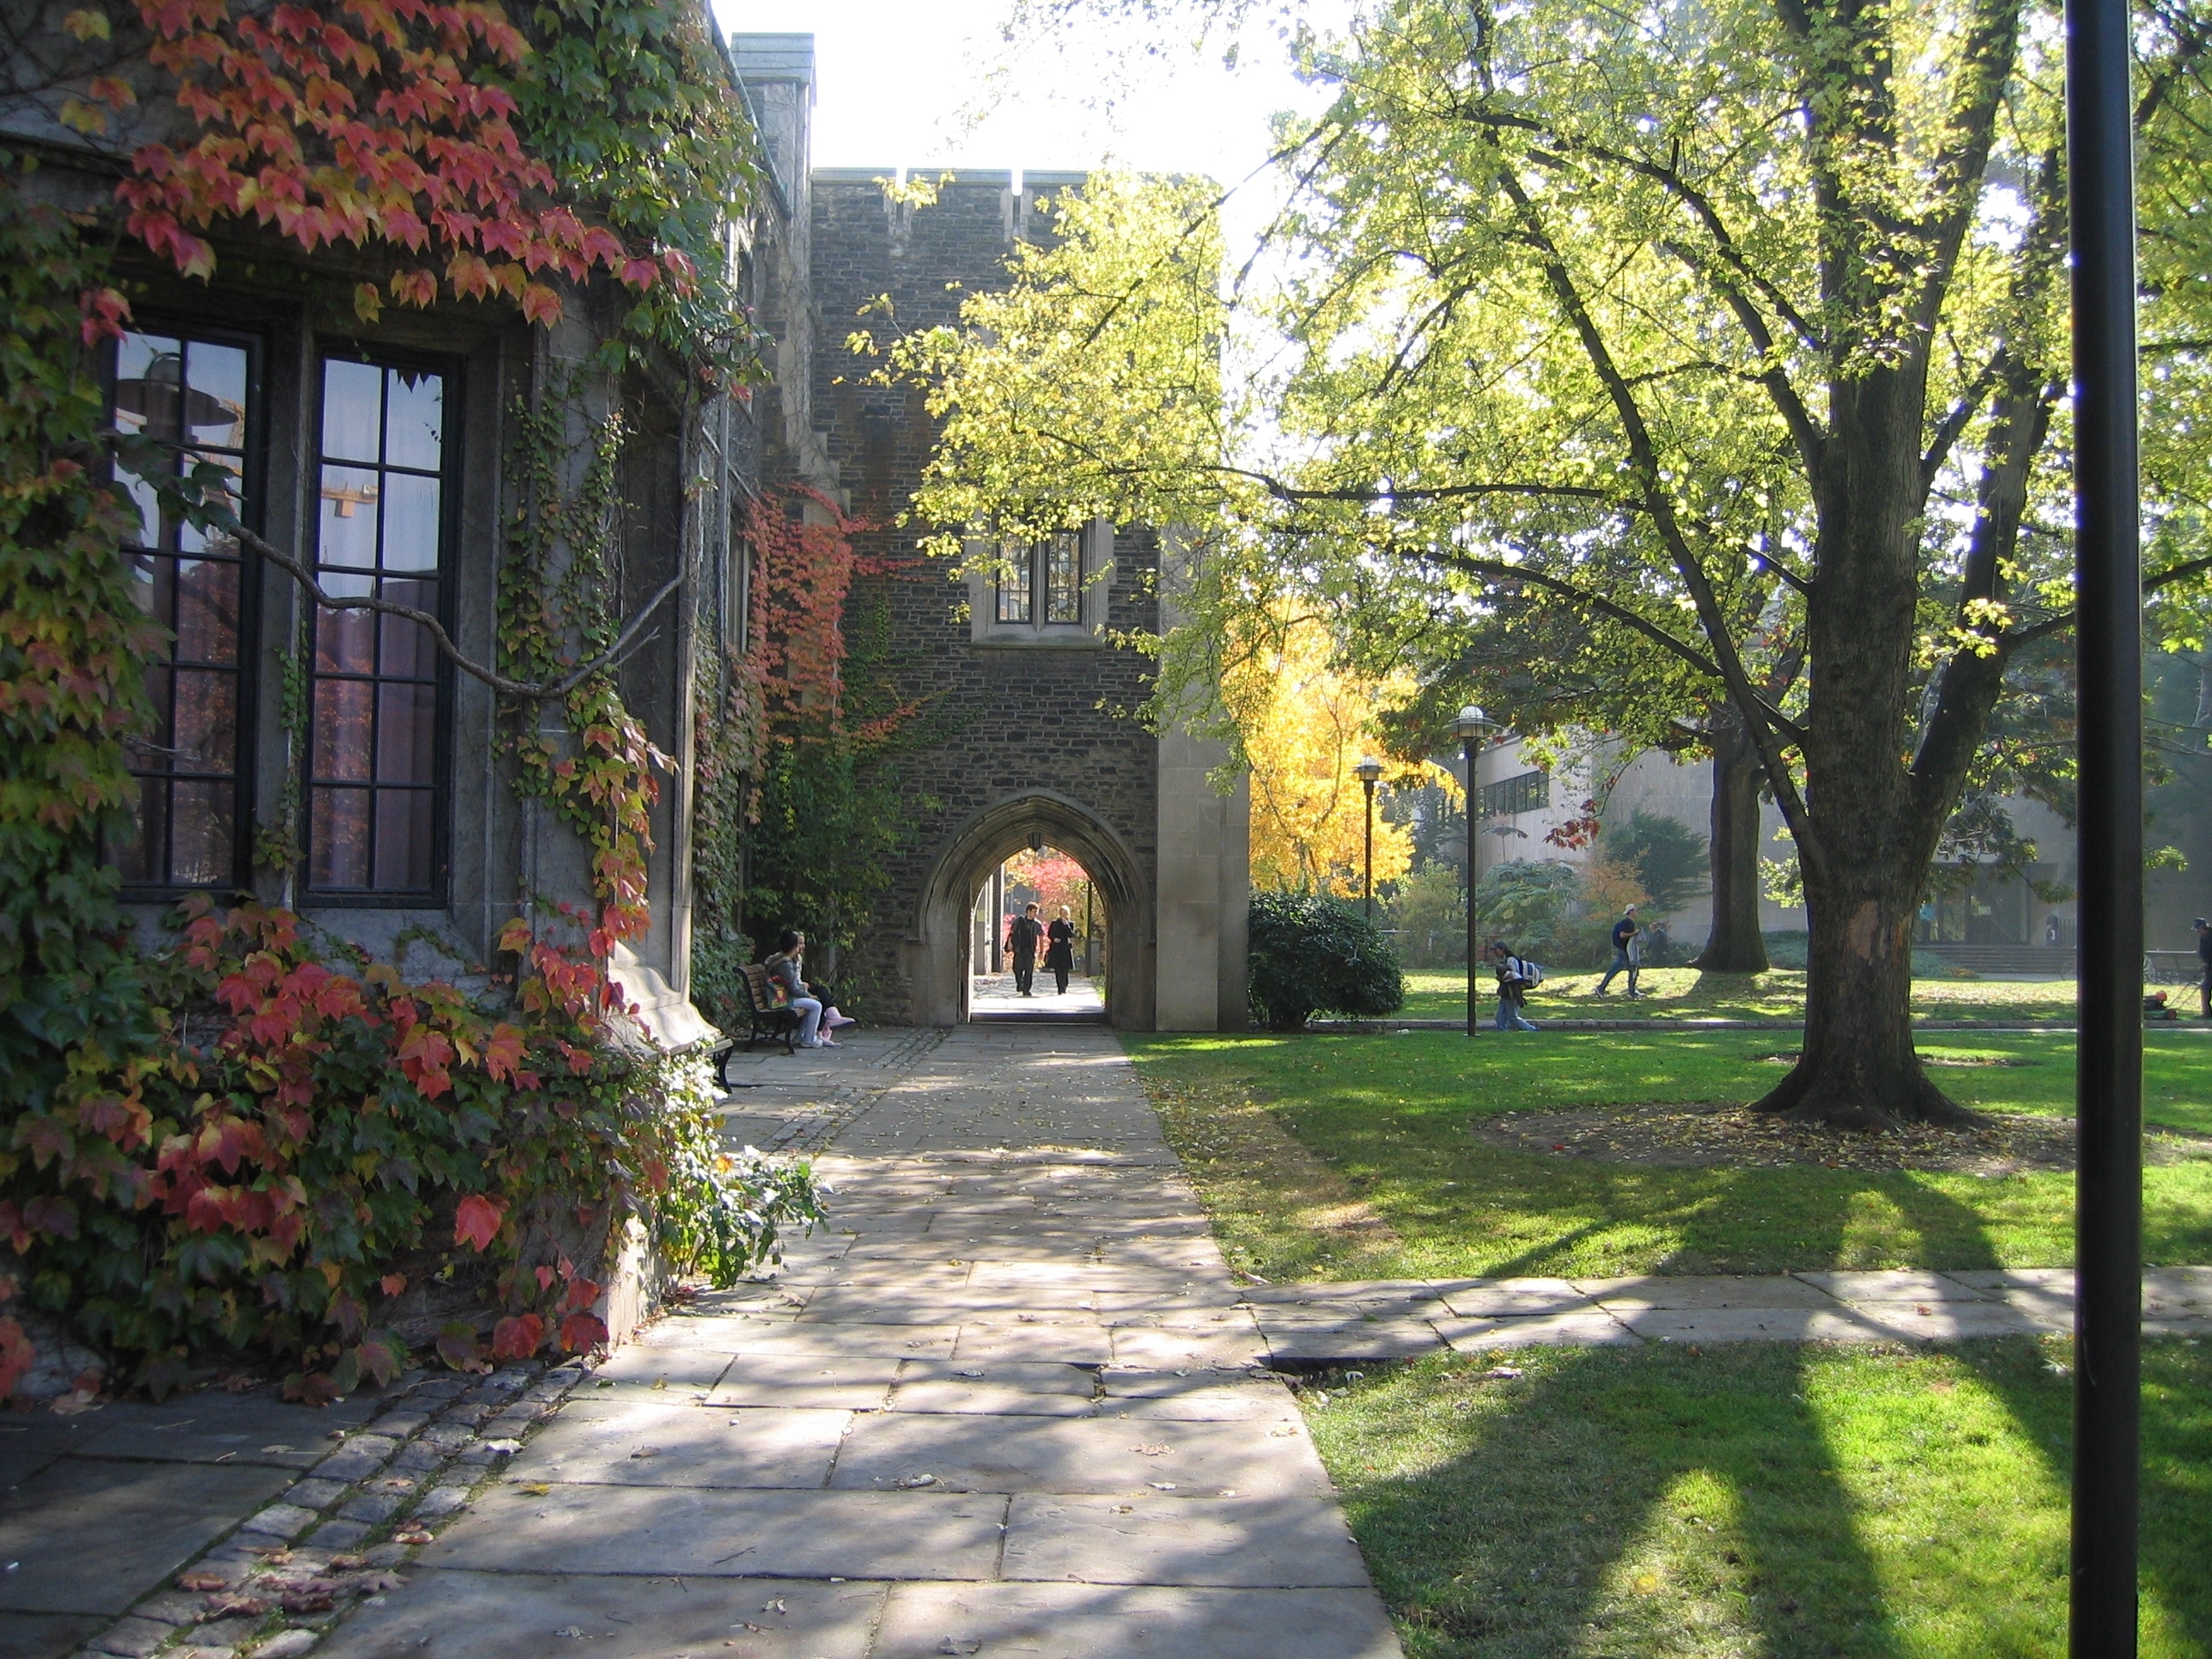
x: 894, y: 78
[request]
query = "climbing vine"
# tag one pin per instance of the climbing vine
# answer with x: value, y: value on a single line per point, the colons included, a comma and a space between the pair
x: 554, y: 609
x: 236, y: 1143
x: 804, y: 748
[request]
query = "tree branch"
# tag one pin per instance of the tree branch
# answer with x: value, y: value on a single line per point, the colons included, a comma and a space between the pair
x: 1765, y: 723
x: 1955, y: 419
x: 526, y: 691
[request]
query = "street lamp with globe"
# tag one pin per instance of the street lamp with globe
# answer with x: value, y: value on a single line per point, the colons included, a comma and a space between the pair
x: 1369, y: 772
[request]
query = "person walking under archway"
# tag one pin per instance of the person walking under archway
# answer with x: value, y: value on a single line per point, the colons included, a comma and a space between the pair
x: 1060, y: 950
x: 1022, y: 936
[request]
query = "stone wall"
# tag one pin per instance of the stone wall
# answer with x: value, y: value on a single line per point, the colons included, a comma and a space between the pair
x: 998, y: 722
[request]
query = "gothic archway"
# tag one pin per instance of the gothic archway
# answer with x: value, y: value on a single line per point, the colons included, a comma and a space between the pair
x: 938, y: 946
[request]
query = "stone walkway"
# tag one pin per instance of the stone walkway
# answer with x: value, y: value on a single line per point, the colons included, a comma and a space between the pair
x: 1010, y: 1406
x: 1010, y: 1402
x: 1344, y: 1322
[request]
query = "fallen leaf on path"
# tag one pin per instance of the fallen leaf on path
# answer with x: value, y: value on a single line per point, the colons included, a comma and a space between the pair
x: 1152, y: 1451
x: 912, y: 1481
x: 537, y: 1489
x: 776, y: 1606
x: 202, y: 1581
x: 411, y: 1536
x: 958, y: 1644
x: 223, y: 1606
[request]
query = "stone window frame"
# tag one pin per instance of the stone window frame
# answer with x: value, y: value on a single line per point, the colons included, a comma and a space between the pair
x: 1096, y: 540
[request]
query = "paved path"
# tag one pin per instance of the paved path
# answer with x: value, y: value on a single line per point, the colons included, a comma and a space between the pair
x: 1010, y: 1408
x: 1010, y: 1402
x: 1402, y: 1319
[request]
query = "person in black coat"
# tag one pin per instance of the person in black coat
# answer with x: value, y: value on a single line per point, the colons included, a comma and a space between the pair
x: 1022, y: 936
x: 1060, y: 949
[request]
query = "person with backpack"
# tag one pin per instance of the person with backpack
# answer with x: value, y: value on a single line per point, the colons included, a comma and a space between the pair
x: 1516, y: 977
x: 1627, y: 953
x: 1022, y: 933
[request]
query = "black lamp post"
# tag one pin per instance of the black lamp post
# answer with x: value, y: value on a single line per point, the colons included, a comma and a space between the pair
x: 1472, y: 728
x: 1368, y: 772
x: 2108, y: 670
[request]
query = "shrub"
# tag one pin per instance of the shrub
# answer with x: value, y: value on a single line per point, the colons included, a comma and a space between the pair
x: 1430, y: 913
x: 1312, y: 954
x: 300, y: 1144
x: 1666, y: 858
x: 1530, y: 904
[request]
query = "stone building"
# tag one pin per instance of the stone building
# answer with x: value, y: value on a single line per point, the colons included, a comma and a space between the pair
x: 333, y: 761
x: 1022, y: 675
x: 336, y: 763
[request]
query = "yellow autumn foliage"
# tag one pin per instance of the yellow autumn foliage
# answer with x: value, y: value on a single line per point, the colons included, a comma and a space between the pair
x: 1303, y: 725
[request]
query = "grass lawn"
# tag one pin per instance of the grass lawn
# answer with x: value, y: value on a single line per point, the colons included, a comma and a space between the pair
x: 1786, y: 1501
x: 1685, y: 993
x: 1345, y: 1156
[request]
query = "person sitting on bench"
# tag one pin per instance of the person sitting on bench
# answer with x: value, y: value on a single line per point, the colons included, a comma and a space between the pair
x: 815, y: 1021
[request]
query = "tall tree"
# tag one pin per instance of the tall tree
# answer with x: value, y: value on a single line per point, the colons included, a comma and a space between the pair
x: 1736, y: 325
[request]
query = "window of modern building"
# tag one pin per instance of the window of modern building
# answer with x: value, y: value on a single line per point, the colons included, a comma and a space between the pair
x: 194, y: 397
x: 376, y: 714
x: 1529, y: 792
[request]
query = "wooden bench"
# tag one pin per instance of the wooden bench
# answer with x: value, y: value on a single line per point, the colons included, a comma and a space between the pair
x: 764, y: 1019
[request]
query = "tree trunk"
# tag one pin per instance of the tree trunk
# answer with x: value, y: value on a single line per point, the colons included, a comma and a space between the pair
x: 1858, y: 1070
x: 1871, y: 820
x: 1735, y: 944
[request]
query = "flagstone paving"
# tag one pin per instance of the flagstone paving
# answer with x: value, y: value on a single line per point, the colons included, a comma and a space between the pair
x: 1010, y: 1402
x: 1013, y: 1403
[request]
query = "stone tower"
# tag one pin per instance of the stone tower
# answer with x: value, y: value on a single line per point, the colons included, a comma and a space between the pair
x: 1027, y: 741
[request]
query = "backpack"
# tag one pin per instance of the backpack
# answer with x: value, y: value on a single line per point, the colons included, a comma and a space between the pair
x: 1532, y: 974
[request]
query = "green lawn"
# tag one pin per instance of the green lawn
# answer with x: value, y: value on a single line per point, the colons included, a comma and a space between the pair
x: 1880, y: 1503
x: 1345, y: 1155
x: 1685, y: 993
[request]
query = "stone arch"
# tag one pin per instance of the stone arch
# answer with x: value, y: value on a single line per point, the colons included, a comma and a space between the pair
x: 938, y: 946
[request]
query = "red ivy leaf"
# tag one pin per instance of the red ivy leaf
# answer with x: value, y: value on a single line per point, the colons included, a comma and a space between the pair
x: 581, y: 1331
x: 477, y: 1223
x: 517, y: 1337
x: 456, y: 1347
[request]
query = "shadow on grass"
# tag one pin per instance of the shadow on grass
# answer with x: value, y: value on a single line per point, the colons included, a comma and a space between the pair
x: 2176, y: 1527
x: 1782, y: 1500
